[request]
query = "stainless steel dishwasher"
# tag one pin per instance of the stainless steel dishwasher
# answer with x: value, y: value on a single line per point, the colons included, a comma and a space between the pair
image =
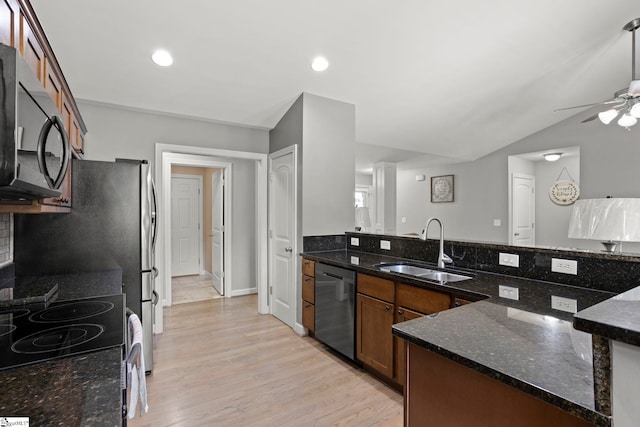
x: 335, y: 308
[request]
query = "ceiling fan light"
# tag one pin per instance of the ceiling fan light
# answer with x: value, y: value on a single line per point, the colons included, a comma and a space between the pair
x: 627, y: 120
x: 607, y: 116
x: 635, y: 110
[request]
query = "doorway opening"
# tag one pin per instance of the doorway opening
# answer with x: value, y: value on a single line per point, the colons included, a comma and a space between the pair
x: 168, y: 155
x: 197, y: 233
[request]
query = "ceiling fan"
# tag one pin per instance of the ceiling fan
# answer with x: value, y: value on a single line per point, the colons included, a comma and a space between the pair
x: 625, y: 101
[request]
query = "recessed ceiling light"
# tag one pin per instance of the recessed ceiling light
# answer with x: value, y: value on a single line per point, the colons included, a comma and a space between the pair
x: 320, y: 63
x: 162, y: 58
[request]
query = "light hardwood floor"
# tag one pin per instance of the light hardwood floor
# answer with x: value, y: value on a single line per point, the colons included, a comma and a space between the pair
x: 186, y: 289
x: 219, y: 363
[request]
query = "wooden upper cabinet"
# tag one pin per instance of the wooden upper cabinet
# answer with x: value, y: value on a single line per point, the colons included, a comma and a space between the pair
x: 53, y: 87
x: 31, y: 49
x: 9, y: 23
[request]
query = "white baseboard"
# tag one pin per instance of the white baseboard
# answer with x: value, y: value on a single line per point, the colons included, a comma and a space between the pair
x: 300, y: 330
x: 206, y: 273
x: 241, y: 292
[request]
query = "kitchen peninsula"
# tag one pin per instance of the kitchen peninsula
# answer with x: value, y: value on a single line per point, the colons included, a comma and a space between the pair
x: 524, y: 346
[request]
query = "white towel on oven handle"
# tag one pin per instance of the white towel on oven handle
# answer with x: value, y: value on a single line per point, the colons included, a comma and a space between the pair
x: 135, y: 367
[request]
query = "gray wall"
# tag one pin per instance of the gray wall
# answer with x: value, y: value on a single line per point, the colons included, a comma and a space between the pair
x: 608, y: 166
x: 324, y: 131
x: 118, y: 132
x: 328, y: 166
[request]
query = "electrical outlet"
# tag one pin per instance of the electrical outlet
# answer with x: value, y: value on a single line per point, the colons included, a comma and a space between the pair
x: 510, y: 260
x: 385, y: 244
x: 497, y: 223
x: 564, y: 304
x: 509, y: 292
x: 355, y: 241
x: 355, y: 260
x: 564, y: 266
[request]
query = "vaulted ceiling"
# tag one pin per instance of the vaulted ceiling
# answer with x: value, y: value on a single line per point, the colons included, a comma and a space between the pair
x: 457, y: 79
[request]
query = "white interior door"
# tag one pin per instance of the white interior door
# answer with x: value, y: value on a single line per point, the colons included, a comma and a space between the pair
x: 282, y: 232
x: 524, y: 210
x: 217, y: 234
x: 185, y: 225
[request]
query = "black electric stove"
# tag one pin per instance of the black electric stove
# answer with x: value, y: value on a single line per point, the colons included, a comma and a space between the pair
x: 36, y: 333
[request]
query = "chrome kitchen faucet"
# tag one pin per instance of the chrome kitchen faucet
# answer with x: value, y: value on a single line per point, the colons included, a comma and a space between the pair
x: 442, y: 257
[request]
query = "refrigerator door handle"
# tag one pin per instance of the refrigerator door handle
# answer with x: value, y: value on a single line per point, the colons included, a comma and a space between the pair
x: 155, y: 299
x: 154, y: 215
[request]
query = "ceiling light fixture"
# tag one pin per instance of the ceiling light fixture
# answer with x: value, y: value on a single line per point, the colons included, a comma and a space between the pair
x: 552, y: 157
x: 319, y: 63
x: 626, y: 99
x: 162, y: 58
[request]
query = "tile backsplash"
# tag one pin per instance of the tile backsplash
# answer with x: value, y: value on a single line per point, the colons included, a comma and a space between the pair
x: 5, y: 239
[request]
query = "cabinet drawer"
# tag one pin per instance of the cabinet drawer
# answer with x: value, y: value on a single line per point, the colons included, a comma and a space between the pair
x: 422, y: 300
x: 308, y: 289
x: 376, y: 287
x: 308, y: 267
x: 309, y: 315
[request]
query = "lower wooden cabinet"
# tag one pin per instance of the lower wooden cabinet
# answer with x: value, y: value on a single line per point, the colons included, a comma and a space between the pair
x: 308, y: 295
x: 374, y: 340
x: 399, y: 360
x: 309, y: 316
x: 438, y: 388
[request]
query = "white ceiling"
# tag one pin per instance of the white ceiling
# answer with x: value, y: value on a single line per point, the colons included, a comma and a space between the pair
x: 456, y: 79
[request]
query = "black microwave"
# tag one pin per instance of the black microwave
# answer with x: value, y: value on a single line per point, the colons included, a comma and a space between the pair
x: 34, y: 146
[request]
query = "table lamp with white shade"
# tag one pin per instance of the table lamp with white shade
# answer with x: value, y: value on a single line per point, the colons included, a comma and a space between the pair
x: 610, y: 220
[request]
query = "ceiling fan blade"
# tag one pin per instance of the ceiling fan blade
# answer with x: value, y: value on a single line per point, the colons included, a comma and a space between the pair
x: 612, y: 101
x: 590, y: 118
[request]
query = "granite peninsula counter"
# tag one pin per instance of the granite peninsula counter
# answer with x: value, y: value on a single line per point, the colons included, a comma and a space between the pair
x: 525, y: 343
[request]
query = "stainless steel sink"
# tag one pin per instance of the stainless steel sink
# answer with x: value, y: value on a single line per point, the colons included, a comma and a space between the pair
x: 411, y: 270
x: 443, y: 276
x: 421, y: 272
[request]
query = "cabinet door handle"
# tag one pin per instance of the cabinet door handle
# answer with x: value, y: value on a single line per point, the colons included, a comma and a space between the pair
x: 400, y: 312
x: 387, y: 308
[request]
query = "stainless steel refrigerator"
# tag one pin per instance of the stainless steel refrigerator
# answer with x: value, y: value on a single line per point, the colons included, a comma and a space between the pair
x: 112, y: 224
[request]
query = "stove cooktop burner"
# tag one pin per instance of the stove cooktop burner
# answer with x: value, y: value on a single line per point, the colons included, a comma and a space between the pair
x: 7, y: 314
x: 57, y: 339
x: 71, y: 311
x: 32, y: 334
x: 6, y: 329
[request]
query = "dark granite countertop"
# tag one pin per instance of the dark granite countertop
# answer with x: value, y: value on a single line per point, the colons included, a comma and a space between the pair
x: 60, y: 287
x: 524, y: 343
x: 617, y: 318
x: 74, y: 391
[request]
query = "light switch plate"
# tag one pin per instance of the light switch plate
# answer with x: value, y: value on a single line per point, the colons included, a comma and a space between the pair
x: 355, y: 241
x: 564, y: 266
x: 355, y: 260
x: 564, y: 304
x: 385, y: 244
x: 509, y: 292
x: 510, y: 260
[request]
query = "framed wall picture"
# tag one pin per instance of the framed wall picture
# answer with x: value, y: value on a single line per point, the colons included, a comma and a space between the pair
x: 442, y: 189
